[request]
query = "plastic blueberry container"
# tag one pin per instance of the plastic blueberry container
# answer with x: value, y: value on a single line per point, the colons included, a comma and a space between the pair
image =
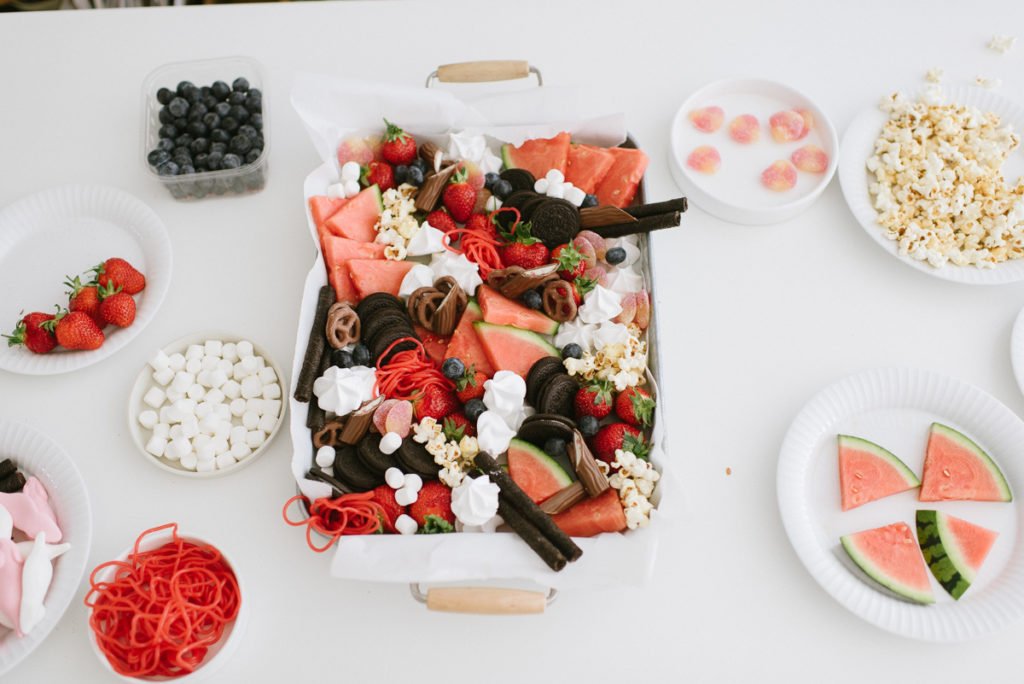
x: 245, y: 179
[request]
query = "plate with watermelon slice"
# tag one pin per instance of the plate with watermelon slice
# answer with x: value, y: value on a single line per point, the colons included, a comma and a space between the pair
x: 897, y: 490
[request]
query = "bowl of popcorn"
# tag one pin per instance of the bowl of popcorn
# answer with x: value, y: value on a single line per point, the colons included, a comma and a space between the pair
x: 206, y: 405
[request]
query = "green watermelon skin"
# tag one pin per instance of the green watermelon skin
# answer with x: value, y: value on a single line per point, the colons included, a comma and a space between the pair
x: 954, y: 579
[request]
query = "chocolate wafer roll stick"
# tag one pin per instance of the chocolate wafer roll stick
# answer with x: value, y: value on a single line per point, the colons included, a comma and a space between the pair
x: 529, y: 533
x: 316, y: 347
x: 644, y: 225
x: 316, y: 416
x: 656, y: 208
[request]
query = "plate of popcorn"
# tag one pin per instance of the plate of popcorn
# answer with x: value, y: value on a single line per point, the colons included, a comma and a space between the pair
x: 206, y: 405
x: 931, y: 174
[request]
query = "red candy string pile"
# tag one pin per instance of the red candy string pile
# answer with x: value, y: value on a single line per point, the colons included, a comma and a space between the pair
x: 164, y: 608
x: 333, y: 518
x: 408, y: 372
x: 479, y: 245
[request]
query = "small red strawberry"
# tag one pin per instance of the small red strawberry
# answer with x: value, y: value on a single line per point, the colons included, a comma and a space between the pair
x: 122, y: 274
x: 84, y: 298
x: 432, y: 510
x: 470, y: 385
x: 399, y: 147
x: 116, y: 307
x: 482, y: 223
x: 635, y: 406
x: 618, y: 436
x: 436, y: 403
x: 75, y: 330
x: 378, y: 173
x: 571, y: 264
x: 30, y: 332
x: 457, y: 426
x: 442, y: 220
x: 522, y: 249
x: 581, y: 286
x: 385, y: 496
x: 459, y: 197
x: 594, y: 400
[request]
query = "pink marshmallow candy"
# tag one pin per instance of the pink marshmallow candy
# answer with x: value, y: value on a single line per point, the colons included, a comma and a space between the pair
x: 745, y: 129
x: 707, y: 119
x: 779, y: 177
x: 811, y: 159
x: 704, y: 159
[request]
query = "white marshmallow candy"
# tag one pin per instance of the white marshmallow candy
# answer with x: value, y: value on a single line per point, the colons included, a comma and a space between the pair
x: 237, y: 407
x: 390, y: 442
x: 207, y: 452
x: 160, y: 361
x: 575, y: 195
x: 251, y: 387
x: 254, y: 439
x: 186, y: 406
x: 250, y: 419
x: 255, y: 405
x: 225, y: 461
x: 261, y: 363
x: 325, y: 457
x: 244, y: 349
x: 195, y: 351
x: 222, y: 431
x: 194, y: 365
x: 240, y: 450
x: 201, y: 440
x: 176, y: 362
x: 351, y: 188
x: 215, y: 396
x: 156, y: 445
x: 189, y: 426
x: 174, y: 395
x: 213, y: 347
x: 169, y: 414
x: 554, y: 176
x: 556, y: 190
x: 161, y: 429
x: 251, y: 364
x: 219, y: 378
x: 175, y: 432
x: 336, y: 191
x: 267, y: 375
x: 204, y: 409
x: 350, y: 171
x: 148, y: 419
x: 210, y: 424
x: 221, y: 446
x: 238, y: 434
x: 222, y: 411
x: 541, y: 186
x: 406, y: 525
x: 272, y: 391
x: 227, y: 366
x: 196, y: 392
x: 394, y: 478
x: 189, y: 461
x: 228, y: 352
x: 154, y: 397
x: 182, y: 381
x: 267, y: 423
x: 406, y: 497
x: 206, y: 466
x: 231, y: 389
x: 164, y: 377
x: 210, y: 362
x: 413, y: 482
x: 272, y: 407
x: 179, y: 448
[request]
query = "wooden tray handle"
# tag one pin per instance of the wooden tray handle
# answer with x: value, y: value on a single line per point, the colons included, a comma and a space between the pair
x: 484, y: 71
x: 483, y: 600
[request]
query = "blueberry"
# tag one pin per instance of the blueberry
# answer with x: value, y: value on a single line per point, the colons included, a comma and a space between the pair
x: 214, y: 161
x: 239, y: 114
x: 197, y: 129
x: 415, y: 176
x: 220, y: 89
x: 255, y: 92
x: 254, y: 102
x: 453, y: 368
x: 211, y: 120
x: 178, y: 107
x: 342, y: 358
x: 199, y: 145
x: 158, y: 157
x: 165, y: 144
x: 181, y: 123
x: 183, y: 86
x: 554, y: 446
x: 165, y: 116
x: 220, y: 148
x: 229, y: 124
x: 194, y: 96
x: 197, y: 111
x: 589, y: 201
x: 186, y: 169
x: 210, y: 101
x: 183, y: 160
x: 572, y: 351
x: 588, y: 426
x: 205, y: 90
x: 181, y: 152
x: 183, y: 140
x: 473, y: 409
x: 252, y: 155
x: 361, y: 355
x: 200, y: 161
x: 532, y: 299
x: 240, y: 84
x: 236, y: 98
x: 231, y: 161
x: 501, y: 189
x: 490, y: 179
x: 168, y: 131
x: 419, y: 164
x: 248, y: 131
x: 401, y: 173
x: 168, y: 169
x: 258, y: 142
x: 219, y: 135
x: 615, y: 255
x: 222, y: 109
x: 256, y: 120
x: 240, y: 145
x: 164, y: 95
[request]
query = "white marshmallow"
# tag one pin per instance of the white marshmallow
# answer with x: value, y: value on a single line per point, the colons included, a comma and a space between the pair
x: 575, y: 195
x: 183, y: 380
x: 541, y: 186
x: 218, y: 378
x: 178, y: 448
x: 244, y: 349
x: 174, y: 395
x: 201, y: 440
x: 225, y: 460
x: 238, y: 434
x: 203, y: 378
x: 211, y: 362
x: 222, y: 431
x: 555, y: 176
x: 231, y: 389
x: 226, y: 366
x: 204, y: 409
x: 351, y: 188
x: 156, y: 445
x: 237, y: 407
x: 350, y: 171
x: 206, y: 452
x: 215, y: 396
x: 148, y: 419
x: 251, y: 387
x: 251, y: 364
x: 336, y: 191
x: 222, y: 411
x: 406, y: 525
x: 272, y: 407
x: 210, y: 424
x: 556, y: 190
x: 205, y: 466
x: 390, y: 442
x: 255, y: 438
x: 175, y: 432
x: 190, y: 426
x: 195, y: 351
x: 189, y: 461
x: 267, y: 423
x: 160, y: 360
x: 272, y: 391
x: 196, y: 392
x: 194, y: 365
x: 325, y: 457
x: 413, y: 482
x: 164, y: 377
x: 255, y: 405
x: 394, y: 478
x: 176, y: 362
x: 154, y: 397
x: 186, y: 406
x: 169, y: 414
x: 240, y: 450
x: 267, y: 375
x: 238, y: 372
x: 221, y: 446
x: 250, y: 419
x: 406, y: 497
x: 228, y: 352
x: 161, y: 429
x: 213, y: 347
x: 261, y: 363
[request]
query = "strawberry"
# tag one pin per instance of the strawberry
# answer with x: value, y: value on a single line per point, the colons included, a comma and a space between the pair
x: 571, y: 264
x: 441, y: 220
x: 457, y: 426
x: 116, y: 307
x: 378, y: 173
x: 75, y: 330
x: 30, y: 332
x: 470, y: 385
x: 580, y: 287
x: 594, y: 400
x: 522, y: 249
x: 84, y: 298
x: 123, y: 275
x: 459, y: 197
x: 432, y: 510
x: 482, y: 223
x: 399, y: 147
x: 436, y: 403
x: 635, y: 406
x: 618, y: 436
x: 385, y: 496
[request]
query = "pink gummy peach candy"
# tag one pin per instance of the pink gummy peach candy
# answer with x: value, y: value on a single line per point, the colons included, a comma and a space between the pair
x: 707, y: 119
x: 787, y: 126
x: 745, y: 129
x: 808, y: 118
x: 810, y: 158
x: 780, y: 176
x: 704, y: 159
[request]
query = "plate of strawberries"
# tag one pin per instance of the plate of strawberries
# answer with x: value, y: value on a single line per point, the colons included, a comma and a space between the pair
x: 85, y: 269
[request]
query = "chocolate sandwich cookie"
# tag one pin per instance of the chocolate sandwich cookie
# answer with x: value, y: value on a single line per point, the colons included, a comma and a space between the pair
x: 13, y: 483
x: 513, y: 201
x: 555, y: 222
x: 413, y: 457
x: 349, y: 469
x: 376, y: 302
x: 530, y: 206
x: 541, y: 427
x: 558, y: 395
x: 540, y: 372
x: 375, y: 325
x: 372, y: 457
x: 388, y: 337
x: 519, y: 179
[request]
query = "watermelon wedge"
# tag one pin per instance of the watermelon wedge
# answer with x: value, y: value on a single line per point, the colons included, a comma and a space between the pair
x: 955, y: 468
x: 868, y: 472
x: 356, y: 220
x: 338, y: 252
x: 619, y: 185
x: 435, y: 345
x: 591, y: 517
x: 953, y: 548
x: 322, y: 208
x: 890, y: 556
x: 377, y: 275
x: 538, y: 156
x: 510, y: 348
x: 499, y: 309
x: 465, y: 344
x: 534, y: 471
x: 587, y: 165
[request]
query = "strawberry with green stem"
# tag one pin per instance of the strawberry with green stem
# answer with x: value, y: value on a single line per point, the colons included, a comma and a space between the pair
x: 85, y: 297
x: 571, y: 264
x: 522, y: 249
x: 399, y: 148
x: 470, y: 385
x: 594, y: 399
x: 459, y: 197
x: 635, y: 406
x: 616, y: 436
x: 32, y: 333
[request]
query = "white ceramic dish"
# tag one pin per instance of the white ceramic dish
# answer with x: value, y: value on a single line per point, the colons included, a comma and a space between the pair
x: 38, y: 455
x: 735, y: 192
x: 66, y: 231
x: 859, y: 144
x: 220, y: 652
x: 895, y: 407
x: 144, y: 381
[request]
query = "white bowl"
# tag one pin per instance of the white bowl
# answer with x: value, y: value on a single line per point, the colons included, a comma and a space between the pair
x: 220, y: 652
x: 144, y: 381
x: 739, y: 197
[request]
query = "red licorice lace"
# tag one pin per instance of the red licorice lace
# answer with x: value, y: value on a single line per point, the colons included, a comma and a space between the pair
x: 408, y: 372
x: 333, y: 518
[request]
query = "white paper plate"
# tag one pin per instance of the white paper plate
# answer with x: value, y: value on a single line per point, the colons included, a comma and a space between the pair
x: 895, y: 407
x: 66, y: 231
x: 859, y: 144
x: 38, y: 455
x: 144, y: 381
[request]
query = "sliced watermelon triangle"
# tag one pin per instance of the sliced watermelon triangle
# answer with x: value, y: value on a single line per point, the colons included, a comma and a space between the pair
x: 953, y: 548
x: 956, y: 468
x: 499, y: 309
x: 618, y: 187
x: 536, y: 473
x: 539, y: 155
x: 512, y: 349
x: 338, y: 253
x: 868, y: 472
x: 890, y: 556
x: 591, y: 517
x: 357, y: 218
x: 378, y: 275
x: 322, y: 207
x: 465, y: 344
x: 587, y: 166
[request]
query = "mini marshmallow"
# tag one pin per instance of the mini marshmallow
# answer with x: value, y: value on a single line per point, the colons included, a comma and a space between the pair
x: 213, y: 347
x: 556, y: 190
x: 350, y: 171
x: 251, y: 364
x: 175, y: 432
x: 575, y: 196
x: 194, y: 365
x: 189, y: 461
x: 211, y: 362
x: 250, y: 420
x: 210, y: 424
x: 148, y: 419
x: 390, y: 442
x: 183, y: 380
x: 406, y: 525
x: 201, y: 440
x: 255, y: 438
x: 196, y: 392
x: 237, y: 407
x: 272, y: 407
x: 231, y: 389
x: 222, y: 411
x: 251, y: 387
x: 215, y: 396
x: 156, y: 446
x: 254, y: 405
x: 204, y: 409
x: 186, y: 406
x: 206, y: 452
x: 351, y: 188
x: 240, y: 450
x: 325, y: 458
x: 164, y: 377
x: 406, y: 497
x: 189, y: 426
x: 222, y: 431
x: 170, y: 414
x: 205, y: 466
x: 394, y: 478
x: 174, y: 395
x: 154, y: 397
x: 244, y: 349
x: 272, y: 391
x: 267, y: 423
x: 238, y: 434
x: 203, y: 378
x: 228, y: 352
x: 160, y: 361
x: 176, y: 362
x: 195, y: 351
x: 218, y: 378
x: 336, y: 191
x: 178, y: 448
x: 161, y: 429
x: 238, y: 372
x: 541, y: 186
x: 226, y: 366
x: 261, y: 363
x: 555, y: 176
x: 267, y: 375
x: 220, y: 446
x: 225, y: 460
x: 413, y: 482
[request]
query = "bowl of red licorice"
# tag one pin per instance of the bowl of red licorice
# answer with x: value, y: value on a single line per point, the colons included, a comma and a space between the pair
x: 170, y: 607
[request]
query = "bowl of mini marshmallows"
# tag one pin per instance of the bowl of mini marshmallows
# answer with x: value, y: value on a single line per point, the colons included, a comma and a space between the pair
x: 206, y: 405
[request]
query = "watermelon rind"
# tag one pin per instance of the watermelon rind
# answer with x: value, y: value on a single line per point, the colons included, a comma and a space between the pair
x: 878, y: 575
x: 506, y: 156
x: 881, y: 452
x: 980, y: 454
x: 943, y: 553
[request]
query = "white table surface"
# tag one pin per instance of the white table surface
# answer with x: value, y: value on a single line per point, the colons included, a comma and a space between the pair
x: 755, y: 320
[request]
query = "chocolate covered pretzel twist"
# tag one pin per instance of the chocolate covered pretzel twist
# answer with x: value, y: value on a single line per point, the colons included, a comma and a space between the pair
x: 342, y: 325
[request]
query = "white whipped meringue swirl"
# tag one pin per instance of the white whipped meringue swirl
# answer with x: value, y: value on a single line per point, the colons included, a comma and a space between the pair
x: 475, y: 501
x: 600, y: 305
x: 465, y: 272
x: 342, y: 390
